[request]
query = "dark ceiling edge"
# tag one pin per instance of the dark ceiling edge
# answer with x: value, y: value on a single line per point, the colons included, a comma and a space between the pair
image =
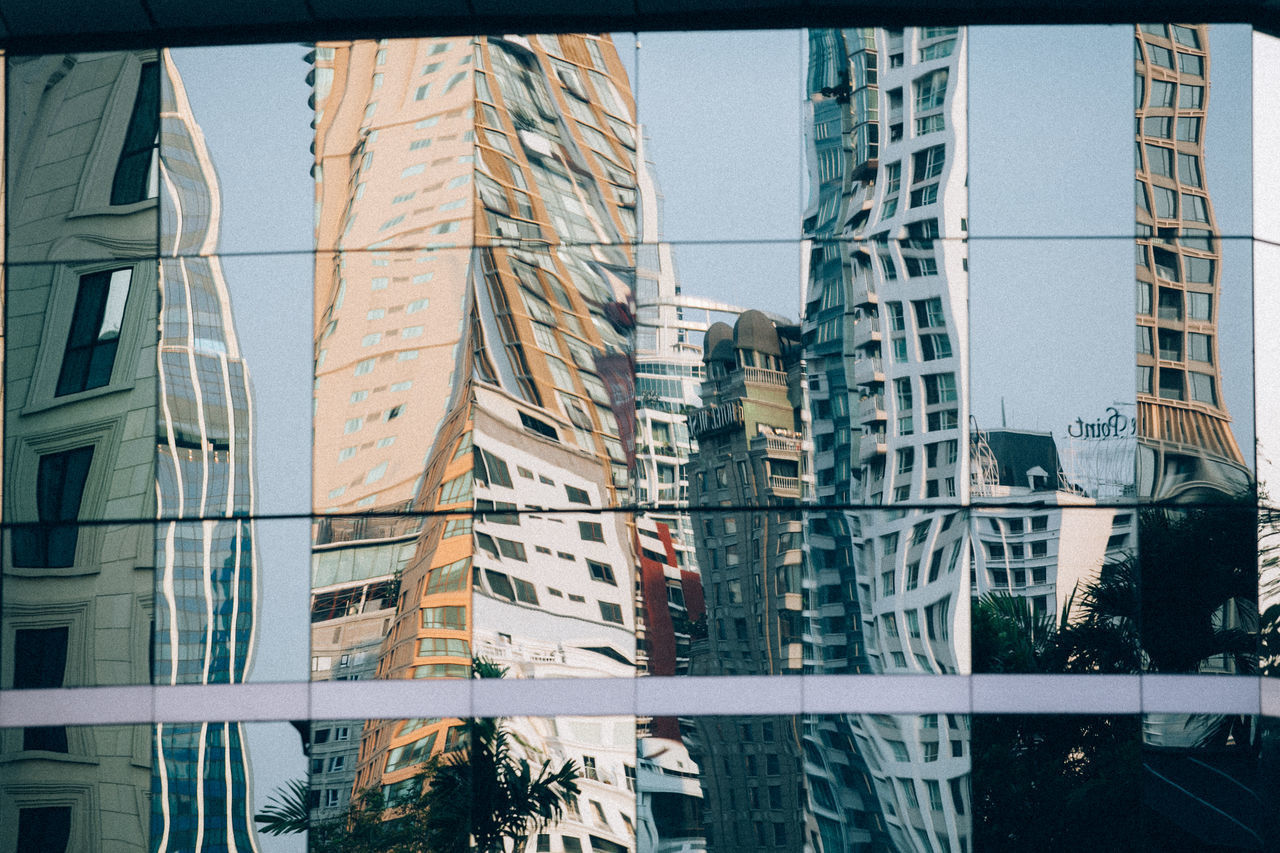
x: 1262, y: 14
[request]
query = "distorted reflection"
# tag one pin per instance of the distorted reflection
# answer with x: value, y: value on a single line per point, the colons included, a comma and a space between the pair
x: 111, y: 181
x: 477, y: 198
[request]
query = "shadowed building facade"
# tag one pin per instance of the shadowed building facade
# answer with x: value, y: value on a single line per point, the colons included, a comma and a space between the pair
x: 113, y: 214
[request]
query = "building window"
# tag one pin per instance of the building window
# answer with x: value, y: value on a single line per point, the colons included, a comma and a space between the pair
x: 1160, y: 160
x: 1189, y: 63
x: 930, y: 91
x: 610, y: 612
x: 1144, y: 340
x: 95, y: 331
x: 601, y: 572
x: 137, y: 176
x: 44, y: 829
x: 1200, y: 306
x: 929, y: 313
x: 1171, y: 384
x: 1170, y: 344
x: 1202, y: 389
x: 591, y: 531
x: 1200, y: 347
x: 939, y: 388
x: 934, y: 347
x: 60, y: 485
x: 902, y: 393
x: 40, y: 661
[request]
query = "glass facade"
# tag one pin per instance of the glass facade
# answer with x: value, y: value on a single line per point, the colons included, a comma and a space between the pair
x: 761, y: 471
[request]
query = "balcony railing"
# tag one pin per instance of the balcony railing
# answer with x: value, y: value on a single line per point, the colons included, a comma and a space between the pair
x: 764, y: 376
x: 777, y: 443
x: 868, y: 371
x: 784, y: 484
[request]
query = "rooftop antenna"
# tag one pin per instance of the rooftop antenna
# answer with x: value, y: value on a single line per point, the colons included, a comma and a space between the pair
x: 1003, y: 423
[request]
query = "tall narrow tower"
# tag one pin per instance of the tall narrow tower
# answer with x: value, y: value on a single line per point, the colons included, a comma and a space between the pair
x: 1186, y: 448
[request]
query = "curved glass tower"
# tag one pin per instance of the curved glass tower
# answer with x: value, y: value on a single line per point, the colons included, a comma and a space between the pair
x: 204, y: 551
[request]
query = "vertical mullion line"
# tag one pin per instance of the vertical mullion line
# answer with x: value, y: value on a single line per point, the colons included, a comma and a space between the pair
x: 4, y: 301
x: 639, y: 240
x: 966, y: 496
x: 310, y: 495
x: 1253, y: 370
x: 158, y: 295
x: 802, y: 283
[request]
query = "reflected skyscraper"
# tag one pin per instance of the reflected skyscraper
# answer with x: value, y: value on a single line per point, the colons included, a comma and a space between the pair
x: 885, y: 328
x: 1186, y: 446
x: 104, y: 424
x: 501, y: 170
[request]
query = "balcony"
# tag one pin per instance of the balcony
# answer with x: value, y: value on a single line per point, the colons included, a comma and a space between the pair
x: 871, y: 409
x: 866, y: 331
x: 868, y: 371
x: 763, y: 376
x: 776, y: 444
x: 788, y: 485
x: 864, y: 292
x: 871, y: 445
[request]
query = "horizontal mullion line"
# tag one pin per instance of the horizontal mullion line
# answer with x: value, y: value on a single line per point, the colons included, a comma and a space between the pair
x: 647, y: 509
x: 646, y: 696
x: 625, y: 244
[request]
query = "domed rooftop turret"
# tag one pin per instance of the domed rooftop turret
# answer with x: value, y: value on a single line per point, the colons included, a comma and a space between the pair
x: 717, y: 333
x: 755, y: 331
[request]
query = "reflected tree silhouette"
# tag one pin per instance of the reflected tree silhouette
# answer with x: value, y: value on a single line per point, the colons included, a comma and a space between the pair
x: 474, y: 799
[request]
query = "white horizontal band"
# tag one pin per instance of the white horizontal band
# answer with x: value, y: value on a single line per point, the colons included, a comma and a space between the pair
x: 649, y: 696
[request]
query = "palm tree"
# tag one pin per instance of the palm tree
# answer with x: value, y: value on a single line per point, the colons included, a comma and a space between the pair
x: 487, y: 791
x: 287, y: 811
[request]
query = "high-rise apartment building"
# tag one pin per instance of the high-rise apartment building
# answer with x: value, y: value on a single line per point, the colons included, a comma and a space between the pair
x: 115, y: 217
x: 473, y: 353
x: 885, y: 330
x: 1186, y: 447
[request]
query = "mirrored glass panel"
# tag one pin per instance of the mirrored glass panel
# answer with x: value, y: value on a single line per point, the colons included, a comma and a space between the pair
x: 884, y: 312
x: 535, y: 783
x: 67, y: 788
x: 81, y: 373
x: 1044, y: 430
x: 277, y: 777
x: 81, y: 151
x: 788, y: 592
x: 1201, y: 785
x: 80, y: 604
x: 555, y: 594
x: 235, y: 374
x: 722, y: 117
x: 832, y: 782
x: 210, y: 98
x: 1193, y: 170
x: 1055, y: 589
x: 153, y: 787
x: 1059, y: 782
x: 1032, y: 173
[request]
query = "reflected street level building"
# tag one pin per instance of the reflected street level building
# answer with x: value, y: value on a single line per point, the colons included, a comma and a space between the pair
x: 1045, y: 554
x: 751, y: 453
x: 885, y: 327
x: 477, y: 200
x: 102, y: 423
